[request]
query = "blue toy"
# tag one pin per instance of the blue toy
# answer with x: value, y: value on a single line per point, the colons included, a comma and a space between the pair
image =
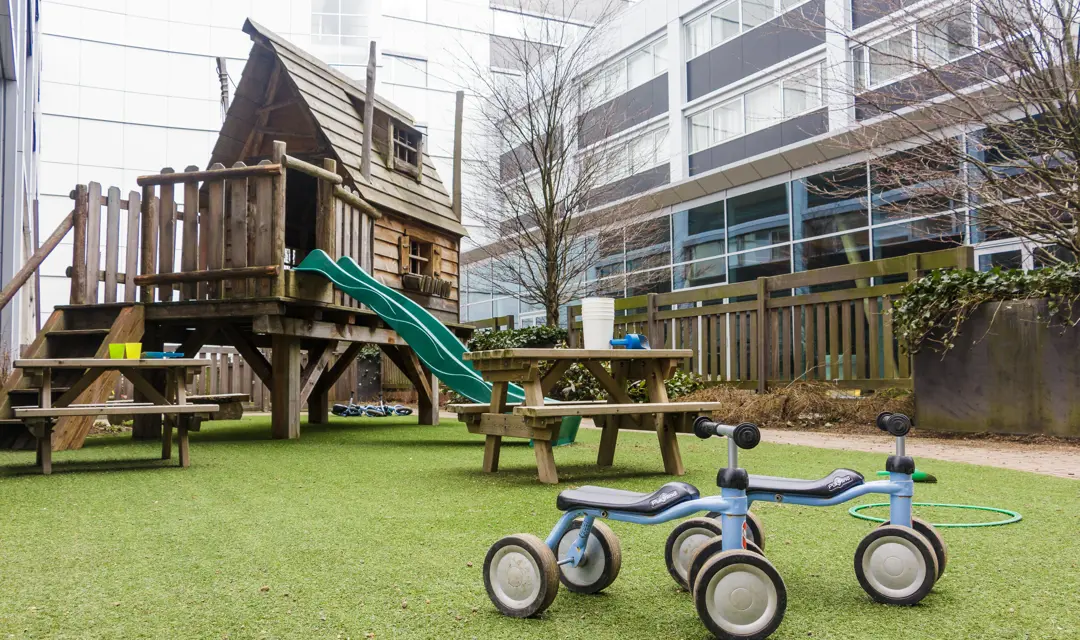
x: 632, y: 341
x: 737, y: 592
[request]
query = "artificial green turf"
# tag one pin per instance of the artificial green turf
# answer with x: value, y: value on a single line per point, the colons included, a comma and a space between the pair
x: 370, y: 526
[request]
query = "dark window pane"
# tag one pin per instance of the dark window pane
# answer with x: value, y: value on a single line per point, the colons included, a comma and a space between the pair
x: 758, y: 219
x: 914, y: 183
x: 699, y: 232
x: 830, y: 202
x: 610, y: 287
x: 696, y: 274
x: 833, y: 251
x: 657, y: 281
x: 773, y: 261
x: 920, y: 236
x: 1003, y: 259
x: 1050, y: 256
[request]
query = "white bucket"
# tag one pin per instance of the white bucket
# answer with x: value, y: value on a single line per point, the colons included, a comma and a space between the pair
x: 598, y: 322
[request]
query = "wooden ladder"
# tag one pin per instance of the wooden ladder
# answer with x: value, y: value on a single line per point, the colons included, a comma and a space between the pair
x: 70, y: 332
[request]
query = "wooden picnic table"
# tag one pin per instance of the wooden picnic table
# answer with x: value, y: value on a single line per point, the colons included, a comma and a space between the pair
x: 539, y: 420
x: 172, y: 405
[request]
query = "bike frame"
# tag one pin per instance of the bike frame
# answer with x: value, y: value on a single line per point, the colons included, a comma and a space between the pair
x: 732, y: 505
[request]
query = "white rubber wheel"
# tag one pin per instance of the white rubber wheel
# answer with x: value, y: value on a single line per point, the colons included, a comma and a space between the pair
x: 941, y: 550
x: 602, y: 561
x: 521, y: 575
x: 707, y: 551
x: 896, y: 565
x: 739, y: 594
x: 683, y: 542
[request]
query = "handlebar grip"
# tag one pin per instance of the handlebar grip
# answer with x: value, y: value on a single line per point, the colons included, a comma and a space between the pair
x: 745, y: 435
x: 896, y: 424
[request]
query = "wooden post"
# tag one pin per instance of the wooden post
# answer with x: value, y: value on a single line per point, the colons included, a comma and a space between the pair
x: 237, y: 225
x: 428, y: 406
x: 326, y: 214
x: 652, y: 325
x: 762, y: 354
x: 285, y: 411
x: 459, y: 113
x: 167, y: 248
x: 93, y: 242
x: 189, y: 256
x: 78, y: 252
x: 149, y: 239
x: 277, y: 246
x: 215, y: 231
x: 263, y: 231
x: 148, y: 427
x: 369, y: 115
x: 112, y: 244
x: 131, y: 257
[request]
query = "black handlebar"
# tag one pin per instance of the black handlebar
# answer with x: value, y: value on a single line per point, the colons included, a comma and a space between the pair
x: 746, y: 435
x: 896, y: 424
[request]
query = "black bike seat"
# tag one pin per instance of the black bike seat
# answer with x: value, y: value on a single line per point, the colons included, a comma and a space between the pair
x: 831, y: 485
x: 589, y: 497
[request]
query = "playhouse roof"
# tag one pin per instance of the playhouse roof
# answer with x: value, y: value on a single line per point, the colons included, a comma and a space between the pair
x: 328, y: 104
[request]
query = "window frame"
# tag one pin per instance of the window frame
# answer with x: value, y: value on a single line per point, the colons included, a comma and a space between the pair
x: 780, y: 7
x: 620, y: 69
x: 402, y: 164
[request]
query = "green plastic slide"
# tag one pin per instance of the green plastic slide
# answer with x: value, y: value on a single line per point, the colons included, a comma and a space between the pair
x: 435, y: 345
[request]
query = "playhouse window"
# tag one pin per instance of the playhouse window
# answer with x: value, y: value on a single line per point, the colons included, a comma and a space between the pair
x: 407, y: 150
x: 419, y: 258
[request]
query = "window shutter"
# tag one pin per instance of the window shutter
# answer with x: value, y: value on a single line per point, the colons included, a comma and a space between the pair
x: 403, y: 254
x: 436, y: 261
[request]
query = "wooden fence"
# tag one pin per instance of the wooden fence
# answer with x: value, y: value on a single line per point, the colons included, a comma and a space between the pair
x: 227, y: 223
x: 829, y: 324
x: 499, y: 323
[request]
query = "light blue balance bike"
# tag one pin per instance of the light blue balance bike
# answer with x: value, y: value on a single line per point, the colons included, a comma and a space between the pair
x: 719, y: 558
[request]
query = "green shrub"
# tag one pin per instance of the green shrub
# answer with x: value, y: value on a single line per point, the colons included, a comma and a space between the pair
x: 932, y: 309
x: 518, y: 338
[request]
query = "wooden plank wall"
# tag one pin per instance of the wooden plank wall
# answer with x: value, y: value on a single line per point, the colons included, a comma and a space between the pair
x: 844, y: 336
x: 386, y: 258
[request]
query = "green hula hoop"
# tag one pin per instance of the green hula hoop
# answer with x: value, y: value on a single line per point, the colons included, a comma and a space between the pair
x: 1013, y: 516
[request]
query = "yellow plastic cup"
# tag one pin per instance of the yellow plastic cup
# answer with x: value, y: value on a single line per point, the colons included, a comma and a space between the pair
x: 116, y: 351
x: 134, y: 350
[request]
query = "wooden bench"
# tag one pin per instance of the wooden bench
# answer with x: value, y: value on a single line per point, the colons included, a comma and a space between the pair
x: 40, y: 420
x: 232, y: 404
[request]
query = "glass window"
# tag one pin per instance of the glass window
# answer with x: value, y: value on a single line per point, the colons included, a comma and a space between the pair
x: 660, y: 57
x: 919, y: 236
x: 697, y: 37
x: 409, y: 71
x: 915, y: 183
x: 945, y: 37
x: 830, y: 202
x: 802, y: 91
x: 728, y: 120
x: 611, y: 287
x: 656, y: 281
x: 858, y: 68
x: 639, y: 68
x: 763, y: 107
x: 699, y: 232
x: 1012, y: 259
x: 774, y: 261
x: 725, y: 23
x: 700, y: 130
x: 648, y: 244
x: 755, y: 12
x: 506, y: 307
x: 701, y: 273
x: 833, y: 251
x: 758, y: 219
x: 890, y: 58
x: 1051, y: 255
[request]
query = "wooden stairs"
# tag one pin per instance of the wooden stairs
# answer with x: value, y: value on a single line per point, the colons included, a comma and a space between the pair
x: 80, y: 331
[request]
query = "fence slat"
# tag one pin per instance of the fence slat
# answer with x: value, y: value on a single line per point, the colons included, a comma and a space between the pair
x: 264, y: 204
x: 860, y: 341
x: 845, y: 327
x: 93, y: 243
x: 215, y: 258
x: 751, y: 342
x: 774, y: 342
x: 131, y: 249
x: 237, y: 214
x: 887, y: 339
x: 875, y: 344
x: 834, y: 342
x: 112, y: 244
x: 713, y: 345
x: 189, y: 256
x: 167, y: 230
x: 786, y: 335
x: 820, y: 372
x: 809, y: 349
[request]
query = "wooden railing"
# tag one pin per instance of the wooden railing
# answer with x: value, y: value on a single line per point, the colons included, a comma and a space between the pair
x: 228, y: 224
x: 773, y: 331
x: 498, y: 323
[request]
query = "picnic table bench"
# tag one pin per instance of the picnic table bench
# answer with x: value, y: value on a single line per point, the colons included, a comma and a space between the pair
x: 173, y: 405
x: 539, y: 419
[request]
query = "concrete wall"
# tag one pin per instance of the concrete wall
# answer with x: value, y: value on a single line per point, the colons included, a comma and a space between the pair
x: 1008, y: 373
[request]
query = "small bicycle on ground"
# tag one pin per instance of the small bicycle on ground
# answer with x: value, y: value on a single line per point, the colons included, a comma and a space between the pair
x: 719, y: 558
x: 381, y: 410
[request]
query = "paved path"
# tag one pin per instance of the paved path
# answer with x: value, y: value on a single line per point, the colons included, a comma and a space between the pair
x: 1062, y: 461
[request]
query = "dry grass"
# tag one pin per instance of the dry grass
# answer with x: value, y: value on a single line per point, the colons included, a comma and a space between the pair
x: 804, y: 406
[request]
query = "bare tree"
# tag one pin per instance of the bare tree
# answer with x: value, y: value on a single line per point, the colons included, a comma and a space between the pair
x: 974, y: 107
x: 543, y: 163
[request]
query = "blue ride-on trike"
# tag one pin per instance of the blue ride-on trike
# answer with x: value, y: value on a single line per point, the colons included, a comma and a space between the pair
x: 719, y: 558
